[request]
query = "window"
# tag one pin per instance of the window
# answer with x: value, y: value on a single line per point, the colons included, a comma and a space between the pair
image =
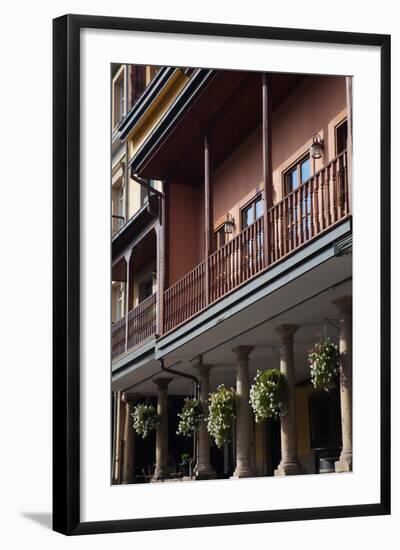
x: 294, y: 177
x: 251, y: 212
x: 341, y: 137
x: 219, y: 237
x: 119, y: 100
x: 120, y: 301
x: 297, y: 174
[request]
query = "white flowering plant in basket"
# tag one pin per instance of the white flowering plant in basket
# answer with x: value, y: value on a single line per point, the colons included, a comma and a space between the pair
x: 145, y: 419
x: 324, y: 361
x: 222, y: 411
x: 268, y: 395
x: 190, y: 417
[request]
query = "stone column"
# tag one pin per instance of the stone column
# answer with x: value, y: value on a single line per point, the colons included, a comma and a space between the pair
x: 161, y: 470
x: 243, y: 436
x: 128, y: 465
x: 289, y: 463
x: 204, y: 470
x: 344, y: 304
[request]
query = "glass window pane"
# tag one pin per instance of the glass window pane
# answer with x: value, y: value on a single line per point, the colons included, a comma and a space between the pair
x: 292, y: 180
x: 259, y: 208
x: 305, y: 170
x: 248, y: 216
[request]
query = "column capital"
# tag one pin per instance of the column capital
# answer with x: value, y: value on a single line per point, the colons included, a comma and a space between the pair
x: 242, y: 352
x: 130, y: 398
x: 203, y: 369
x: 343, y: 303
x: 287, y: 331
x: 162, y: 382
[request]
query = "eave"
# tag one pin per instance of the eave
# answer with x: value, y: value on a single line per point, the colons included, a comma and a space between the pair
x: 144, y: 102
x: 198, y: 81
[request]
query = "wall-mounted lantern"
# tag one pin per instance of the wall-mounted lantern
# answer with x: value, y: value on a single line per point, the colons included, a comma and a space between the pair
x: 317, y: 147
x: 229, y: 223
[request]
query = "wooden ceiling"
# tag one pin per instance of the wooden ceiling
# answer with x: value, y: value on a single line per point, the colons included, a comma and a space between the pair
x: 230, y: 106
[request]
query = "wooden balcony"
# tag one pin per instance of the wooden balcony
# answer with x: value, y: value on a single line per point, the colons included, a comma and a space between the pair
x: 141, y: 326
x: 317, y: 205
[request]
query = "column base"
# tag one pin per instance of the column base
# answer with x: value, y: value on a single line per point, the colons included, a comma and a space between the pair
x: 344, y: 465
x: 206, y: 473
x: 243, y: 472
x: 291, y: 469
x: 160, y: 474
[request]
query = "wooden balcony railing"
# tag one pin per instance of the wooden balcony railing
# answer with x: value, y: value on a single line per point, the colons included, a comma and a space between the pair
x: 118, y: 335
x: 316, y: 205
x: 141, y: 325
x: 185, y: 298
x: 319, y: 203
x: 237, y: 261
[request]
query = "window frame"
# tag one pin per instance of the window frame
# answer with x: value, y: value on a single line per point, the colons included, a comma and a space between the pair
x: 219, y: 229
x: 120, y: 79
x: 251, y: 203
x: 336, y: 128
x: 296, y: 164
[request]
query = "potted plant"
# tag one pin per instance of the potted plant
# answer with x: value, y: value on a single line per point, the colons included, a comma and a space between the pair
x: 190, y: 417
x: 268, y: 395
x: 324, y: 361
x: 221, y: 414
x: 145, y: 419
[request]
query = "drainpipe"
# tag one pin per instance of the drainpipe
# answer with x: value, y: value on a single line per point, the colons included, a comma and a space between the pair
x: 179, y: 373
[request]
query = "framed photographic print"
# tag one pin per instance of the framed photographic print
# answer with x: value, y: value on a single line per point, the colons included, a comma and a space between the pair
x: 221, y: 274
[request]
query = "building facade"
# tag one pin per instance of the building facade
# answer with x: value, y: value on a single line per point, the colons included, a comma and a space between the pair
x: 231, y: 253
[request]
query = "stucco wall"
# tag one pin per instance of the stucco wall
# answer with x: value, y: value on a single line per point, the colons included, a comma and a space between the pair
x: 183, y: 230
x: 316, y: 105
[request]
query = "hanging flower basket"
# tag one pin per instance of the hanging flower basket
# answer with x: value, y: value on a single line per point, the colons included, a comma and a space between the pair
x: 190, y: 417
x: 268, y: 395
x: 145, y: 419
x: 324, y: 361
x: 221, y: 414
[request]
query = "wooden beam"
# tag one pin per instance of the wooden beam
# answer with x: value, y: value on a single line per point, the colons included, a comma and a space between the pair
x: 267, y: 159
x: 208, y: 213
x: 144, y: 184
x: 349, y: 105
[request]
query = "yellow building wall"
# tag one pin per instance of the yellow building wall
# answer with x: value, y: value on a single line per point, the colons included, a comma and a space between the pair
x: 153, y: 115
x: 306, y: 455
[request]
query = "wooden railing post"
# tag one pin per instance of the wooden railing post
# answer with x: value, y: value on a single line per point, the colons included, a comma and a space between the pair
x: 208, y: 215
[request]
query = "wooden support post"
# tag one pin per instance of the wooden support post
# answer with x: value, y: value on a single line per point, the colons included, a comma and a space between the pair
x: 208, y: 214
x: 349, y: 104
x: 267, y: 160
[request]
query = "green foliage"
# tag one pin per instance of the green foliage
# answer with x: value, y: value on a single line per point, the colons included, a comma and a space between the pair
x: 268, y: 395
x: 324, y: 361
x: 190, y: 417
x: 221, y: 414
x: 145, y: 419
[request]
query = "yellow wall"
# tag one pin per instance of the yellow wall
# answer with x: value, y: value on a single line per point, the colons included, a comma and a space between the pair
x: 305, y: 453
x: 156, y: 111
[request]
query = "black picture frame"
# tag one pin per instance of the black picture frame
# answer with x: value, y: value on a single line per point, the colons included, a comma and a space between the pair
x: 66, y: 273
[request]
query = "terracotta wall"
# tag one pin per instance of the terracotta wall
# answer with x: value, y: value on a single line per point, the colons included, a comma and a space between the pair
x: 184, y: 245
x: 316, y: 105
